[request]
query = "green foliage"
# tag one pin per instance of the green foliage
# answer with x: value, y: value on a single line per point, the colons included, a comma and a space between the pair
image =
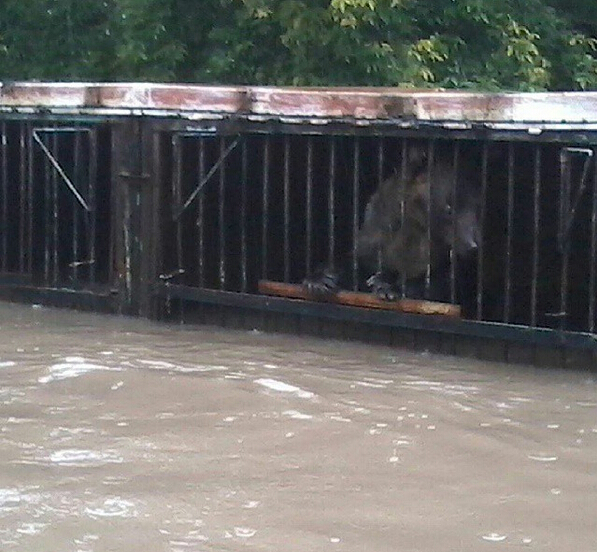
x: 475, y: 44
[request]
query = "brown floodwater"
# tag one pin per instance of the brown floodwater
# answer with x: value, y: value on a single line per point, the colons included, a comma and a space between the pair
x: 126, y: 435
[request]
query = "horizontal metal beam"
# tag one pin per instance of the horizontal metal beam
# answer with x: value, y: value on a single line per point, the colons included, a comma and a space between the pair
x: 102, y: 301
x: 441, y: 324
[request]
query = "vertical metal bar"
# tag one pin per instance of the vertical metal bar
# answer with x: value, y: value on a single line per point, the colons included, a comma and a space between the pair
x: 355, y: 211
x: 480, y: 251
x: 30, y: 159
x: 92, y: 187
x: 565, y: 184
x: 564, y: 287
x: 593, y: 253
x: 243, y: 217
x: 4, y: 197
x: 404, y: 171
x: 430, y: 221
x: 75, y: 204
x: 177, y: 195
x: 510, y: 230
x: 265, y: 199
x: 22, y: 197
x: 47, y: 221
x: 332, y: 204
x: 222, y: 222
x: 201, y: 215
x: 565, y: 179
x: 453, y: 213
x: 380, y: 162
x: 156, y: 255
x: 115, y: 213
x: 286, y: 208
x: 536, y: 228
x: 309, y: 207
x: 55, y: 219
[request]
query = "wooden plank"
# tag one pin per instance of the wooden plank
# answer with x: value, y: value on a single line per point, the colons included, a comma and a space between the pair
x: 357, y: 299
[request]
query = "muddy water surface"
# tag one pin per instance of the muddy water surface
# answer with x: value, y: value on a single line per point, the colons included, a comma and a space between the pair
x: 125, y: 435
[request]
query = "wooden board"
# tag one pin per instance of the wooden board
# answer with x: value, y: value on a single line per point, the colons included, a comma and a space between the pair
x: 357, y: 299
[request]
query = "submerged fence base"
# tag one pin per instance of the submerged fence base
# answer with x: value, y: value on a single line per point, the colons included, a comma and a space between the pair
x: 431, y: 333
x: 543, y: 348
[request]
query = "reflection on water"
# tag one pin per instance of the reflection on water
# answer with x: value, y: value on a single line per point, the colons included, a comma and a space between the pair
x: 125, y: 435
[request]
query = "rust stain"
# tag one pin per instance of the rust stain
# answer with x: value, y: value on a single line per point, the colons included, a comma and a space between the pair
x: 357, y: 103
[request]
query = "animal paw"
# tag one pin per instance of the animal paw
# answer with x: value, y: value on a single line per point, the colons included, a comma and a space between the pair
x: 324, y: 285
x: 380, y: 288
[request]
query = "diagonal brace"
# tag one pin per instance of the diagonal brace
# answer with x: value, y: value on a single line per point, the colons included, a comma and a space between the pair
x: 205, y: 179
x: 61, y: 172
x: 568, y: 208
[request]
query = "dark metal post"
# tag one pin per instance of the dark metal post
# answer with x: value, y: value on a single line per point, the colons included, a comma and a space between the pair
x: 265, y: 206
x: 177, y: 196
x: 536, y: 229
x: 4, y: 197
x: 286, y: 208
x: 404, y: 172
x: 593, y: 253
x: 47, y: 221
x: 55, y: 220
x: 454, y: 204
x: 430, y: 221
x: 30, y: 158
x: 22, y: 196
x: 309, y: 207
x: 221, y: 214
x: 75, y: 207
x: 380, y: 163
x: 510, y: 216
x: 133, y: 216
x: 355, y: 211
x: 480, y: 251
x: 565, y: 183
x: 93, y: 182
x: 201, y: 216
x: 332, y: 203
x: 243, y: 218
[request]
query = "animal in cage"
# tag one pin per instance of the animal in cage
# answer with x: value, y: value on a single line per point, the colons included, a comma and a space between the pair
x: 413, y: 223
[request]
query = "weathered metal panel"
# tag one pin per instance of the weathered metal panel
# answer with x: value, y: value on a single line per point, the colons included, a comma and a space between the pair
x: 334, y: 103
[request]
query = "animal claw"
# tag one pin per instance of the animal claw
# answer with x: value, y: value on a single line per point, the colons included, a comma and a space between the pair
x: 323, y: 286
x: 380, y: 288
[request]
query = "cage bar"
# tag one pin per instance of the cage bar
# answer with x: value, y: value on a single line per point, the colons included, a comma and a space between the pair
x: 92, y: 212
x: 177, y: 147
x: 75, y: 260
x: 404, y: 171
x: 286, y: 208
x: 482, y: 215
x: 430, y: 221
x: 593, y: 250
x: 453, y: 214
x: 243, y: 218
x: 221, y: 220
x: 200, y: 221
x: 536, y: 229
x: 309, y: 209
x: 355, y: 211
x: 4, y: 177
x: 332, y: 203
x: 509, y: 234
x: 380, y: 179
x: 265, y: 208
x: 23, y: 250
